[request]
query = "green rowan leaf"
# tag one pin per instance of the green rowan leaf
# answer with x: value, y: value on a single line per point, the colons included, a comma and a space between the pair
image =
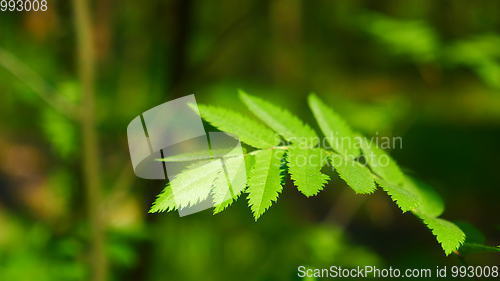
x: 249, y: 162
x: 356, y: 175
x: 264, y: 184
x: 381, y: 163
x: 304, y: 166
x: 450, y: 236
x: 247, y: 130
x: 431, y: 204
x: 392, y: 179
x: 338, y: 134
x: 189, y: 187
x: 230, y: 184
x: 405, y: 198
x: 280, y: 120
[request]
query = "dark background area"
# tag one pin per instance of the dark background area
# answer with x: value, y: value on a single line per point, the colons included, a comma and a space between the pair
x: 427, y: 71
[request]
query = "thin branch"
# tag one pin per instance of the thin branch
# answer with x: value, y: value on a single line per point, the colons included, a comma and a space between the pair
x: 39, y: 86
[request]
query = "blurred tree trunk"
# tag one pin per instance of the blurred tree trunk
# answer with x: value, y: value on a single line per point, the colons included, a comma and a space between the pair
x: 103, y: 29
x: 178, y: 60
x: 86, y: 69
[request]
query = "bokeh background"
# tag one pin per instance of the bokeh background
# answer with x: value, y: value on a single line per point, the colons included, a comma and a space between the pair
x: 425, y: 70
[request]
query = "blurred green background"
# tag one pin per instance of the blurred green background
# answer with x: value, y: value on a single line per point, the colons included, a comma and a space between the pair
x: 428, y: 71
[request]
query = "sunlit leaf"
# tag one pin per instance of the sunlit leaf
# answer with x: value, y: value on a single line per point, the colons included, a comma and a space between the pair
x: 264, y: 184
x: 304, y: 166
x: 280, y: 120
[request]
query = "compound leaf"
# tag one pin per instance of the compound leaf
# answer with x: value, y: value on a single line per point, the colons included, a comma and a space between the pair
x: 224, y: 179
